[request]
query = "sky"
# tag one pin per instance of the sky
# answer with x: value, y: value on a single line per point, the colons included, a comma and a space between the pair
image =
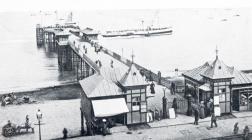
x: 80, y: 5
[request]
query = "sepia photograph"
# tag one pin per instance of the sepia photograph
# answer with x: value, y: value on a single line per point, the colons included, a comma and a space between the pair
x: 126, y: 70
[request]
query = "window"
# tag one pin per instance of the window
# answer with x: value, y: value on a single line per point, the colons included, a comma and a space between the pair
x: 244, y: 99
x: 143, y: 97
x: 143, y: 107
x: 222, y: 97
x: 128, y: 98
x: 128, y: 91
x: 215, y: 90
x: 135, y: 103
x: 143, y: 90
x: 129, y: 118
x: 136, y: 91
x: 222, y: 90
x: 129, y: 106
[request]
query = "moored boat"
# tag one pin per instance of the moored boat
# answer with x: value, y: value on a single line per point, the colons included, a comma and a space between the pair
x: 138, y: 32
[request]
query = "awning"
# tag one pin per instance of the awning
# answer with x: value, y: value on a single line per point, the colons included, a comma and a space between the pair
x: 109, y: 107
x: 205, y: 87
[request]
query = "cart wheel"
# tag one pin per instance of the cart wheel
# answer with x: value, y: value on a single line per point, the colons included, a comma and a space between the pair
x: 9, y: 131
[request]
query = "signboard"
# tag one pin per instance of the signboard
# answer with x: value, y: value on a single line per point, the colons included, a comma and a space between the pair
x: 172, y: 113
x: 216, y: 100
x: 217, y: 111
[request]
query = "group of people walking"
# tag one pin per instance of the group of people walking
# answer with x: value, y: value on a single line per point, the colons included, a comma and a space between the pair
x: 203, y: 110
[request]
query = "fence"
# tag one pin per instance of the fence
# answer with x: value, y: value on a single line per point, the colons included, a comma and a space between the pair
x: 182, y: 106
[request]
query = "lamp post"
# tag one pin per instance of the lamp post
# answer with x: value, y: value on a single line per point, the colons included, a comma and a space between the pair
x: 164, y: 105
x: 39, y: 117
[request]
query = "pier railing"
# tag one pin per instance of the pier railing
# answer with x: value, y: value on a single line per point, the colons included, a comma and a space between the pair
x: 127, y: 62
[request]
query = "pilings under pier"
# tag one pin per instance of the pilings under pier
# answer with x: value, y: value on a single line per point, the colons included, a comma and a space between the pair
x: 55, y: 39
x: 39, y: 35
x: 69, y: 60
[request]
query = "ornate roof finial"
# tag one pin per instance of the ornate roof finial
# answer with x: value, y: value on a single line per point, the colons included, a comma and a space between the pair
x: 132, y: 56
x: 216, y: 50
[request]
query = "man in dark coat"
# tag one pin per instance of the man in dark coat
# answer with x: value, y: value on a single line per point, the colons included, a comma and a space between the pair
x: 196, y: 116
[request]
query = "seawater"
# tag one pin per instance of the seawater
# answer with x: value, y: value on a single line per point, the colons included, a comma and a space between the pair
x: 196, y: 33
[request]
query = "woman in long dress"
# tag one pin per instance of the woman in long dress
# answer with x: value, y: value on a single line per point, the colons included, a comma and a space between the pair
x: 202, y: 110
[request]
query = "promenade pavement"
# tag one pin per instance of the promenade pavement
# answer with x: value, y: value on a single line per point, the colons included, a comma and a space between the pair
x: 179, y: 131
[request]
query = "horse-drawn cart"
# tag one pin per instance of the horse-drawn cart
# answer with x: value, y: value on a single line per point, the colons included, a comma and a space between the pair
x: 11, y: 129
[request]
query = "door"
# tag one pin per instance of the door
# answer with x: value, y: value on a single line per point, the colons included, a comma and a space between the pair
x: 235, y: 104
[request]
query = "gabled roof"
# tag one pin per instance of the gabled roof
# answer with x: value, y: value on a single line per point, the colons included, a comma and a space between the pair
x: 218, y: 70
x: 97, y: 86
x: 133, y: 77
x: 211, y: 70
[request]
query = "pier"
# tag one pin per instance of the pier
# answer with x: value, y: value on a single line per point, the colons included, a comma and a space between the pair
x: 78, y: 50
x: 70, y: 58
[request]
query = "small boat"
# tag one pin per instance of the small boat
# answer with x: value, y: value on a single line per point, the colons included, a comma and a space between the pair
x: 139, y: 32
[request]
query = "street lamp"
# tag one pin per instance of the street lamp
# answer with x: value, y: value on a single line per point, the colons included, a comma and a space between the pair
x: 39, y: 117
x: 164, y: 105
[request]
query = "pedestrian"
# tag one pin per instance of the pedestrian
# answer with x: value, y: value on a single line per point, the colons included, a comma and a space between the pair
x: 150, y: 76
x: 27, y: 120
x: 27, y: 123
x: 213, y: 120
x: 85, y: 50
x: 104, y: 127
x: 246, y: 133
x: 196, y: 116
x: 236, y: 128
x: 208, y: 108
x: 111, y: 64
x: 202, y: 110
x: 152, y: 87
x: 211, y: 106
x: 3, y: 100
x: 172, y: 88
x: 64, y: 133
x: 175, y: 106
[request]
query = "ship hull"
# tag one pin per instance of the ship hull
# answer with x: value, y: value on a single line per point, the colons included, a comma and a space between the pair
x: 139, y: 33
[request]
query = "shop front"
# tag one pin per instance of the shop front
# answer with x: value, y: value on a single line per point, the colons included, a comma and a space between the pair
x: 242, y: 99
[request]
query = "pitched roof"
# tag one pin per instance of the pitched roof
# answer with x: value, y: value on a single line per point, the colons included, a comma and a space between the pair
x: 89, y: 31
x: 241, y: 78
x: 196, y: 72
x: 97, y: 86
x: 133, y: 77
x: 62, y: 33
x: 218, y: 70
x: 211, y: 70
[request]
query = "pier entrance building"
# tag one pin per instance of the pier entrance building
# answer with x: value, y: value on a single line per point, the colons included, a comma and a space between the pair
x: 228, y: 88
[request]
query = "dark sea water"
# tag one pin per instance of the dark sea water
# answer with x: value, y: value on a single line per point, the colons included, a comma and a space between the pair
x: 196, y: 32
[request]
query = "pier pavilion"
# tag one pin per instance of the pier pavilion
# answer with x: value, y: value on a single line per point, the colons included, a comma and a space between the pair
x: 118, y: 94
x: 89, y: 33
x: 230, y: 89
